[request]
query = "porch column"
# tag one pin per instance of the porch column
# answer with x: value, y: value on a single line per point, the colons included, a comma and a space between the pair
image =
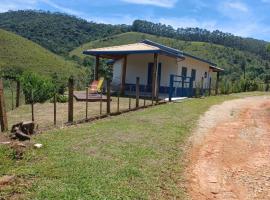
x: 155, y: 78
x: 97, y: 67
x: 217, y: 83
x: 123, y: 76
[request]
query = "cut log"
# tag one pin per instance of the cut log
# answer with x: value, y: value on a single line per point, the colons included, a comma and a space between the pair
x: 21, y: 136
x: 18, y: 125
x: 28, y: 128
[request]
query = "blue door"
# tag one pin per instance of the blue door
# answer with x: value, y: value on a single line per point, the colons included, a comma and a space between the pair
x: 150, y: 75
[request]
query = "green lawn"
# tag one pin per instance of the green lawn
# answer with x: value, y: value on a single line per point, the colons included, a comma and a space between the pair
x: 138, y: 155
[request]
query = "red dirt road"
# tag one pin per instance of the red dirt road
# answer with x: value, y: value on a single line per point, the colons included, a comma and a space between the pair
x: 230, y: 154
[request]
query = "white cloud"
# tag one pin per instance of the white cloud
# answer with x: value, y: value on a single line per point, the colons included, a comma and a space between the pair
x: 239, y: 6
x: 159, y: 3
x: 235, y: 10
x: 62, y: 8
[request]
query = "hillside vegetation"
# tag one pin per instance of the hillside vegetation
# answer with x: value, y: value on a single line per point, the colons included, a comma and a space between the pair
x: 230, y: 59
x: 60, y: 33
x: 22, y: 54
x: 258, y: 47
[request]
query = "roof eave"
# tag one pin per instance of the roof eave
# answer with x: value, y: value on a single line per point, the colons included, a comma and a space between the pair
x: 96, y: 53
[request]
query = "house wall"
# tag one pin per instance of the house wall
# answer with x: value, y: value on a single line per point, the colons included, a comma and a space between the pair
x: 137, y: 66
x: 200, y: 67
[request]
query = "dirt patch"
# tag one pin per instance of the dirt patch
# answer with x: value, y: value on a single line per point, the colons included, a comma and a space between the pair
x: 12, y: 187
x: 229, y: 158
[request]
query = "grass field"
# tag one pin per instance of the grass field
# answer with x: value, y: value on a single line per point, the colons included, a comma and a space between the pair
x: 44, y: 112
x: 20, y: 53
x: 139, y: 155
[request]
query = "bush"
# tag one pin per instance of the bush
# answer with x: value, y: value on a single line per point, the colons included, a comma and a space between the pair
x: 36, y: 88
x: 225, y: 87
x: 60, y: 98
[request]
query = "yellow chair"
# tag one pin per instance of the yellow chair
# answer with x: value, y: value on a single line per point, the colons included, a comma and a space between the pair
x: 96, y: 86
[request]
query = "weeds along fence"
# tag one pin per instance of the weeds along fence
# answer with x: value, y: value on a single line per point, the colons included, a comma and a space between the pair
x: 70, y: 110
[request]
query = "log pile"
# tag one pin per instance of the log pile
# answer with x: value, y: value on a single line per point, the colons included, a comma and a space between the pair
x: 22, y: 130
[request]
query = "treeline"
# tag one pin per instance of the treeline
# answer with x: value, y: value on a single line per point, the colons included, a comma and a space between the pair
x: 251, y: 45
x: 62, y: 33
x: 57, y: 32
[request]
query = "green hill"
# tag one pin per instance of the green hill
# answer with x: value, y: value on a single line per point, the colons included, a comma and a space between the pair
x: 228, y: 58
x: 20, y: 53
x: 58, y: 32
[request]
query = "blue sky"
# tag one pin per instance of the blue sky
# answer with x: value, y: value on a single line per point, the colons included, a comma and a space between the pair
x: 247, y: 18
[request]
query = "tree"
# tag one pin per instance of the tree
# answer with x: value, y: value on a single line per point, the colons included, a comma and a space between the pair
x: 36, y: 88
x: 268, y: 48
x: 243, y: 67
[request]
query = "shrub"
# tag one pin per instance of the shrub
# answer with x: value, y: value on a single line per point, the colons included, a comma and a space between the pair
x: 36, y: 88
x: 225, y: 87
x: 60, y: 98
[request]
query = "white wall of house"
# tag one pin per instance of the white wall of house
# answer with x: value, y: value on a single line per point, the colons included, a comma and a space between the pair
x: 200, y: 67
x: 137, y: 66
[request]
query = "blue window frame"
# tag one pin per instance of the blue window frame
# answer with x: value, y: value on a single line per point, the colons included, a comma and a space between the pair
x: 184, y: 71
x: 193, y: 74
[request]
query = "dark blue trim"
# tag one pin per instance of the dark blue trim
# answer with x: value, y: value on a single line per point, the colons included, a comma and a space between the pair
x: 173, y: 92
x: 164, y: 48
x: 177, y: 52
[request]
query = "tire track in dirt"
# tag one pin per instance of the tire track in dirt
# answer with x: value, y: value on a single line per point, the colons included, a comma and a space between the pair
x: 230, y: 154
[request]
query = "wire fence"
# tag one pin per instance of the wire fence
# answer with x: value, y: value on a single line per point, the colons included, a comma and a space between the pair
x: 53, y: 114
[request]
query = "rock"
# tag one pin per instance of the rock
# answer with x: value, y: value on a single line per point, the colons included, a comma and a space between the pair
x: 38, y: 146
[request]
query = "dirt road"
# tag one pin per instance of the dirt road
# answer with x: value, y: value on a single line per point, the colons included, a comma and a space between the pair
x: 230, y: 154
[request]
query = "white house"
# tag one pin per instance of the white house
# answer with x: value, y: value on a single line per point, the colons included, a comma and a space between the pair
x: 158, y: 67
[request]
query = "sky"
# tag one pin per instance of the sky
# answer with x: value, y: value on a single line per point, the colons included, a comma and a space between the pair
x: 247, y: 18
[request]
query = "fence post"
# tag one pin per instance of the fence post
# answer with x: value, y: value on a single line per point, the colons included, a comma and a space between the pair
x: 129, y: 98
x: 3, y: 114
x: 54, y: 109
x: 144, y: 98
x: 210, y: 86
x: 100, y: 104
x: 171, y: 87
x: 86, y: 104
x: 32, y: 106
x: 217, y: 83
x: 108, y: 96
x: 18, y: 92
x: 12, y: 98
x: 118, y: 102
x: 70, y: 99
x: 137, y: 91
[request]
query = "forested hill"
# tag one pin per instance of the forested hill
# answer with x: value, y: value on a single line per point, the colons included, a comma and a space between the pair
x: 251, y: 45
x: 57, y: 32
x: 232, y: 60
x: 61, y: 33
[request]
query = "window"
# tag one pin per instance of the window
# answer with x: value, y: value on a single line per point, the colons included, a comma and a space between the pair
x: 205, y: 75
x: 193, y: 74
x: 184, y: 71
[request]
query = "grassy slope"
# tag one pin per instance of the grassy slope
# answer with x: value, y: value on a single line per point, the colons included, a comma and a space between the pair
x: 23, y: 54
x: 225, y: 57
x: 134, y: 156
